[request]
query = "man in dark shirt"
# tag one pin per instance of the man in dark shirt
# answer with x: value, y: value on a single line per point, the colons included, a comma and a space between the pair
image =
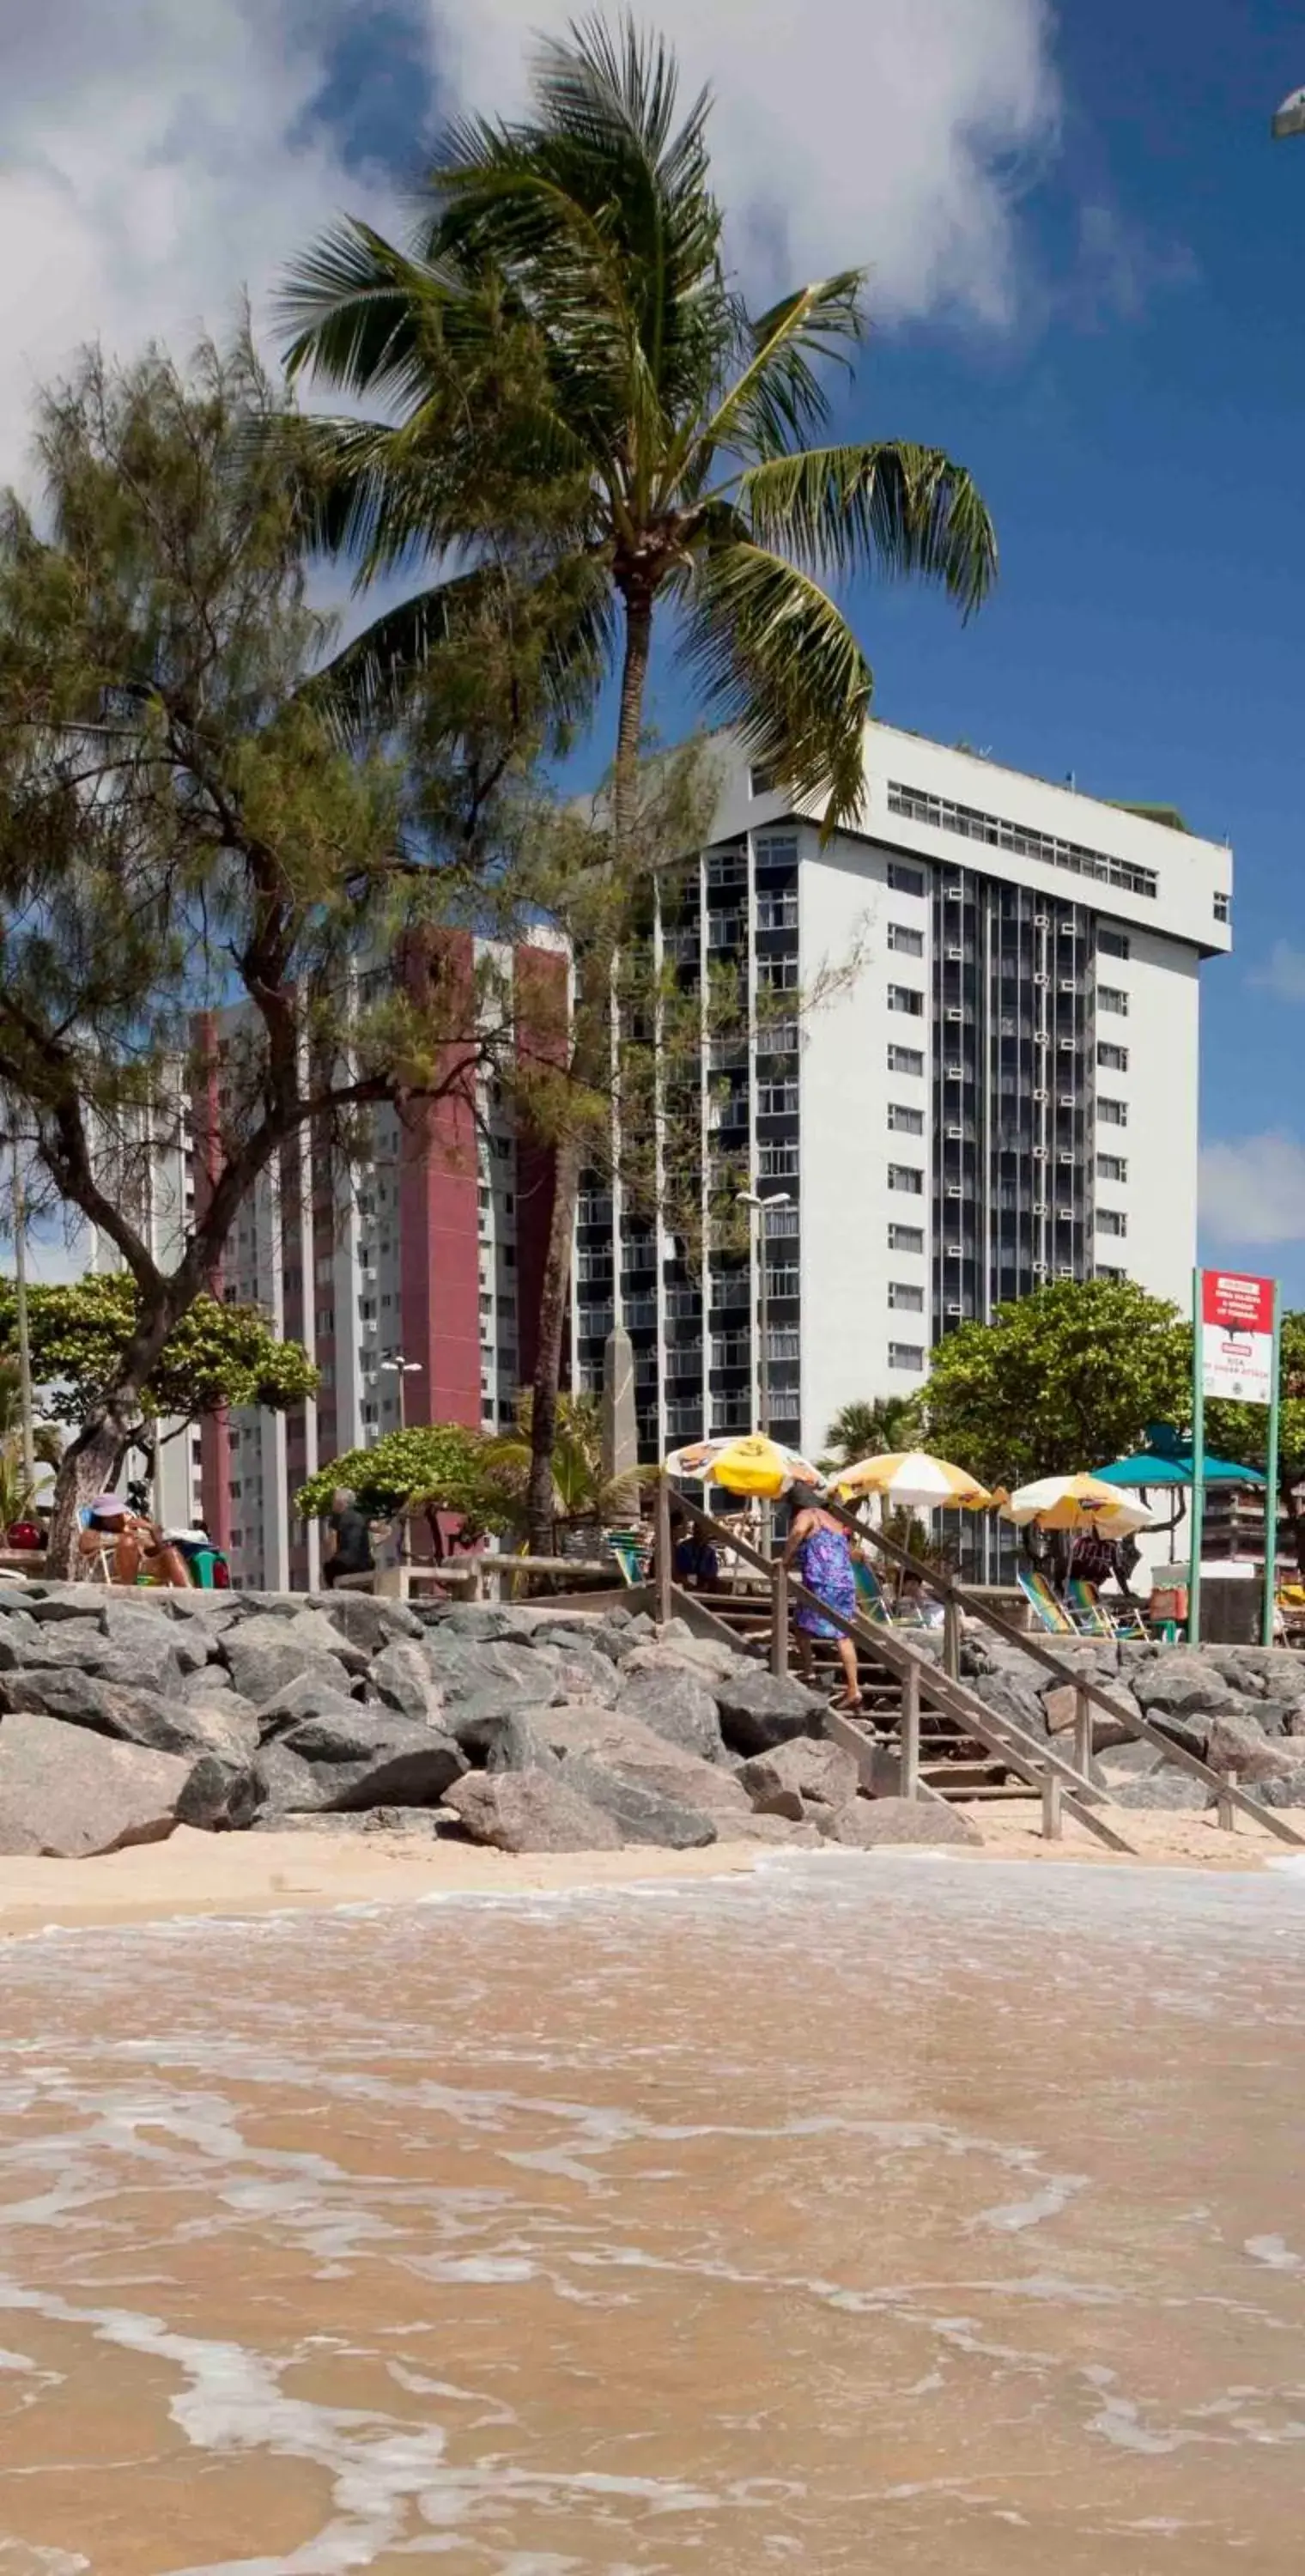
x: 351, y: 1539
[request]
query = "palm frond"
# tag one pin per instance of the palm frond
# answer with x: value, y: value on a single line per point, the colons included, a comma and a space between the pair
x: 366, y: 686
x: 886, y: 506
x: 774, y: 657
x: 361, y: 314
x: 778, y: 399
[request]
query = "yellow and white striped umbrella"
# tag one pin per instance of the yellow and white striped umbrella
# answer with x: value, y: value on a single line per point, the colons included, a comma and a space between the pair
x: 744, y: 1463
x: 1077, y: 1503
x: 912, y: 1480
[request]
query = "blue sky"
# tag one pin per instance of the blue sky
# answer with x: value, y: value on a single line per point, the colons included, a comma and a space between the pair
x: 1088, y: 264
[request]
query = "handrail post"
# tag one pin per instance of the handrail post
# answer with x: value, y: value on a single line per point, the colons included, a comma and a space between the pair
x: 952, y: 1640
x: 909, y: 1784
x: 1052, y: 1825
x: 1227, y: 1811
x: 1082, y: 1731
x: 662, y: 1547
x: 779, y: 1621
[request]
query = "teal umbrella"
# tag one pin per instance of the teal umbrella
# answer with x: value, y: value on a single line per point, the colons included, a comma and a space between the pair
x: 1167, y: 1460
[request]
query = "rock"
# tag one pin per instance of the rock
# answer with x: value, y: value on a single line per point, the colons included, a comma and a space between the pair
x: 259, y: 1670
x: 507, y: 1744
x: 423, y: 1823
x: 147, y: 1663
x: 1164, y: 1788
x: 1009, y: 1697
x: 709, y: 1657
x: 68, y: 1793
x: 365, y: 1622
x: 866, y: 1823
x: 817, y: 1774
x: 498, y: 1676
x: 1293, y: 1719
x: 54, y: 1690
x: 529, y: 1811
x: 283, y: 1785
x: 641, y: 1813
x: 309, y: 1695
x: 1259, y: 1672
x: 401, y: 1676
x: 584, y: 1674
x: 480, y: 1623
x: 132, y: 1716
x: 1178, y: 1682
x: 133, y: 1625
x: 1236, y: 1743
x: 220, y: 1796
x: 212, y: 1611
x: 378, y: 1759
x: 624, y: 1744
x: 753, y: 1828
x: 1286, y: 1791
x: 676, y: 1706
x: 70, y: 1601
x: 1059, y: 1708
x: 212, y: 1687
x: 758, y: 1709
x: 1134, y: 1760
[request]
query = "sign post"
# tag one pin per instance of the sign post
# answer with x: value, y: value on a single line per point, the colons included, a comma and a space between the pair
x: 1235, y: 1329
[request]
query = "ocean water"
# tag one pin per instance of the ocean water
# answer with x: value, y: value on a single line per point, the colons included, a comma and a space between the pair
x: 893, y: 2213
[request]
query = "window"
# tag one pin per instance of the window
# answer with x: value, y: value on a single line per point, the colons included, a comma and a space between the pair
x: 905, y: 1060
x: 907, y: 1122
x: 999, y: 834
x: 1223, y: 907
x: 907, y: 1299
x: 901, y: 998
x: 904, y: 880
x: 777, y: 1037
x: 1113, y: 943
x: 783, y: 1345
x: 781, y: 1220
x: 776, y: 1099
x: 724, y: 929
x: 777, y: 850
x: 1111, y: 1221
x: 783, y: 1283
x: 727, y: 867
x: 1111, y: 1167
x: 775, y: 1162
x: 1106, y: 1270
x: 761, y: 781
x: 1113, y: 1113
x: 324, y: 1319
x: 907, y: 943
x: 1112, y: 1059
x: 589, y: 1266
x: 367, y: 1310
x: 778, y: 974
x: 1112, y: 997
x: 234, y: 1489
x: 906, y: 1238
x: 777, y: 912
x: 904, y: 1176
x: 905, y: 1355
x: 324, y: 1271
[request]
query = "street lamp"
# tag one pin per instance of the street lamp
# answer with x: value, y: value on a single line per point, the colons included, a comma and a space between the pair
x: 1290, y: 118
x: 756, y: 1206
x: 398, y: 1367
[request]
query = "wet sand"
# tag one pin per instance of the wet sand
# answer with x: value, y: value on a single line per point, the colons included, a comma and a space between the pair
x: 219, y: 1875
x: 894, y: 2211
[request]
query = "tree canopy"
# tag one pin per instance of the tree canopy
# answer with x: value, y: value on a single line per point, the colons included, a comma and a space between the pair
x: 432, y: 1467
x: 215, y: 1355
x: 1064, y: 1379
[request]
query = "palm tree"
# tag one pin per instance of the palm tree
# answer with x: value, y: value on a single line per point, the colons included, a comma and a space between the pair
x: 570, y: 376
x: 582, y: 1490
x: 873, y: 1429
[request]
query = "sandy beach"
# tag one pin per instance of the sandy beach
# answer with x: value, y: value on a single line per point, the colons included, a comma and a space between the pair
x: 225, y: 1875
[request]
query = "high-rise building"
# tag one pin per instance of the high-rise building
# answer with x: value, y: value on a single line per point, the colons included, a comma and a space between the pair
x: 989, y: 1081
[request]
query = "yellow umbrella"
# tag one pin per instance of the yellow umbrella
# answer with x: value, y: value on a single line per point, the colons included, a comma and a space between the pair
x: 912, y: 1480
x: 1077, y: 1503
x: 744, y: 1463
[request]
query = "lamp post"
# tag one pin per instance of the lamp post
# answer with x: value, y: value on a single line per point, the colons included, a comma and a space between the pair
x: 756, y: 1206
x: 398, y: 1367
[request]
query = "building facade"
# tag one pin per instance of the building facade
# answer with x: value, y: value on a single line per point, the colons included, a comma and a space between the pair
x: 989, y: 1081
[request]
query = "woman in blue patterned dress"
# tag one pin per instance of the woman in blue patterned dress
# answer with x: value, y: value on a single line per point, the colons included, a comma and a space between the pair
x: 820, y: 1551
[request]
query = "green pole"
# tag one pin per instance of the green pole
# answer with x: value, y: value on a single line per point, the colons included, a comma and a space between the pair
x: 1271, y: 1476
x: 1198, y: 1469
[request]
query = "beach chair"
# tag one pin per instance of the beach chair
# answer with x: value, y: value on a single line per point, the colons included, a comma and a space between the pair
x: 873, y: 1602
x: 1049, y: 1613
x: 1096, y: 1617
x: 630, y: 1553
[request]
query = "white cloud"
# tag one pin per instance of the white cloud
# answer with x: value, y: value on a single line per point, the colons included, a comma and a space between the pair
x: 846, y: 131
x: 1253, y: 1190
x: 158, y: 156
x: 1284, y: 975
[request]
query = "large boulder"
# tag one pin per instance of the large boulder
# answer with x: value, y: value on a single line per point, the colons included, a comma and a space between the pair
x: 1235, y: 1743
x: 1288, y: 1791
x: 23, y: 1641
x: 813, y: 1773
x: 55, y: 1690
x: 401, y: 1676
x: 675, y: 1705
x: 319, y: 1766
x: 636, y: 1752
x: 867, y: 1823
x: 1010, y: 1696
x: 1166, y: 1789
x: 491, y: 1677
x: 68, y: 1793
x: 221, y: 1795
x: 1259, y: 1672
x: 758, y: 1709
x: 641, y: 1813
x: 1060, y: 1710
x: 367, y: 1623
x: 260, y: 1665
x: 1179, y: 1682
x: 582, y: 1672
x: 319, y: 1693
x: 711, y: 1658
x: 529, y: 1811
x: 1134, y: 1760
x: 140, y: 1717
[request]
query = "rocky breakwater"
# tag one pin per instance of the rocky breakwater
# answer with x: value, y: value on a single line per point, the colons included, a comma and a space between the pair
x: 121, y: 1717
x: 1241, y: 1709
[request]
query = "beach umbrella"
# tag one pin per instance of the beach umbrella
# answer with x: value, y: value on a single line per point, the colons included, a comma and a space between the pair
x: 1153, y: 1467
x: 910, y: 1480
x: 744, y: 1463
x: 1077, y: 1503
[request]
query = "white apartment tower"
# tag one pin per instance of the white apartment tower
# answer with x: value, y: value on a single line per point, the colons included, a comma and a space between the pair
x: 1002, y: 1092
